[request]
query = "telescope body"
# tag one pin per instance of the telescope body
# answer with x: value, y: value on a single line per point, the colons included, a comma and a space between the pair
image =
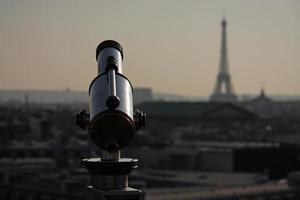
x: 111, y: 100
x: 112, y: 124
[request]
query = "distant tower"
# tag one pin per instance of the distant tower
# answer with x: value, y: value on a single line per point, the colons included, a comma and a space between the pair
x: 26, y: 102
x: 262, y: 91
x: 262, y: 96
x: 223, y: 89
x: 26, y: 99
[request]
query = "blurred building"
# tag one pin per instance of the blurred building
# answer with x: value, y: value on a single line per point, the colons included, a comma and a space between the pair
x: 273, y: 159
x: 283, y: 190
x: 141, y: 95
x: 63, y: 96
x: 191, y: 120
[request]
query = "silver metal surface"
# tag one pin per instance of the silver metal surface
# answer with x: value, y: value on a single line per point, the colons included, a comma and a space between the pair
x: 100, y: 160
x: 104, y: 54
x: 107, y: 156
x: 99, y: 94
x: 112, y: 83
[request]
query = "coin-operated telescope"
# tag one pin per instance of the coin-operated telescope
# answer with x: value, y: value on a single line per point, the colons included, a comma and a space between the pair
x: 111, y: 124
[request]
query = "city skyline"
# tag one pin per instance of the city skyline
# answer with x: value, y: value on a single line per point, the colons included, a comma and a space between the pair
x: 50, y: 45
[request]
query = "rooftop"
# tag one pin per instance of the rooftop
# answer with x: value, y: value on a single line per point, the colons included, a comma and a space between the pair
x: 207, y: 180
x: 192, y: 109
x: 279, y: 188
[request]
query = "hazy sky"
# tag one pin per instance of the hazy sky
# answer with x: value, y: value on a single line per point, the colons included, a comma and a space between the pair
x: 171, y: 46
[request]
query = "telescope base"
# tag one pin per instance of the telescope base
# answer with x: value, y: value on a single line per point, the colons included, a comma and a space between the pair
x: 127, y: 193
x: 109, y: 179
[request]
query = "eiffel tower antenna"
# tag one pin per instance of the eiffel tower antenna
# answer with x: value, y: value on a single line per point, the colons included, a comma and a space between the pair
x: 223, y: 90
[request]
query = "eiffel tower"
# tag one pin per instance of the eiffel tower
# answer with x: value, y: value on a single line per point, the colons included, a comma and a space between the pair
x: 223, y: 89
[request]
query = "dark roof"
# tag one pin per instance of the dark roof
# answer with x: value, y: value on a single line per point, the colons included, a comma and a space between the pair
x: 236, y: 112
x: 188, y: 109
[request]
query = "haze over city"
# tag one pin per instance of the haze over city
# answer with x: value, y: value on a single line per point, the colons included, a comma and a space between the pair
x: 170, y: 46
x: 206, y: 105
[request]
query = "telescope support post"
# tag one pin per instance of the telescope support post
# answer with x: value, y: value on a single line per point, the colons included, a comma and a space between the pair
x: 109, y: 177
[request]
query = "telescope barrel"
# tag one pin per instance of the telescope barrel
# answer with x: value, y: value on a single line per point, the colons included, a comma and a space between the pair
x: 111, y: 100
x: 106, y: 49
x: 111, y: 122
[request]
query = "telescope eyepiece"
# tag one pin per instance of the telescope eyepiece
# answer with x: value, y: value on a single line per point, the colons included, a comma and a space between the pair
x: 109, y: 55
x: 109, y: 43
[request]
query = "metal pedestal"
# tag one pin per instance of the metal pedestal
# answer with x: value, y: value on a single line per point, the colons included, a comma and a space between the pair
x: 109, y: 177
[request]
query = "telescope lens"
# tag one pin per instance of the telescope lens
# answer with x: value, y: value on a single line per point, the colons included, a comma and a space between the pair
x: 111, y: 130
